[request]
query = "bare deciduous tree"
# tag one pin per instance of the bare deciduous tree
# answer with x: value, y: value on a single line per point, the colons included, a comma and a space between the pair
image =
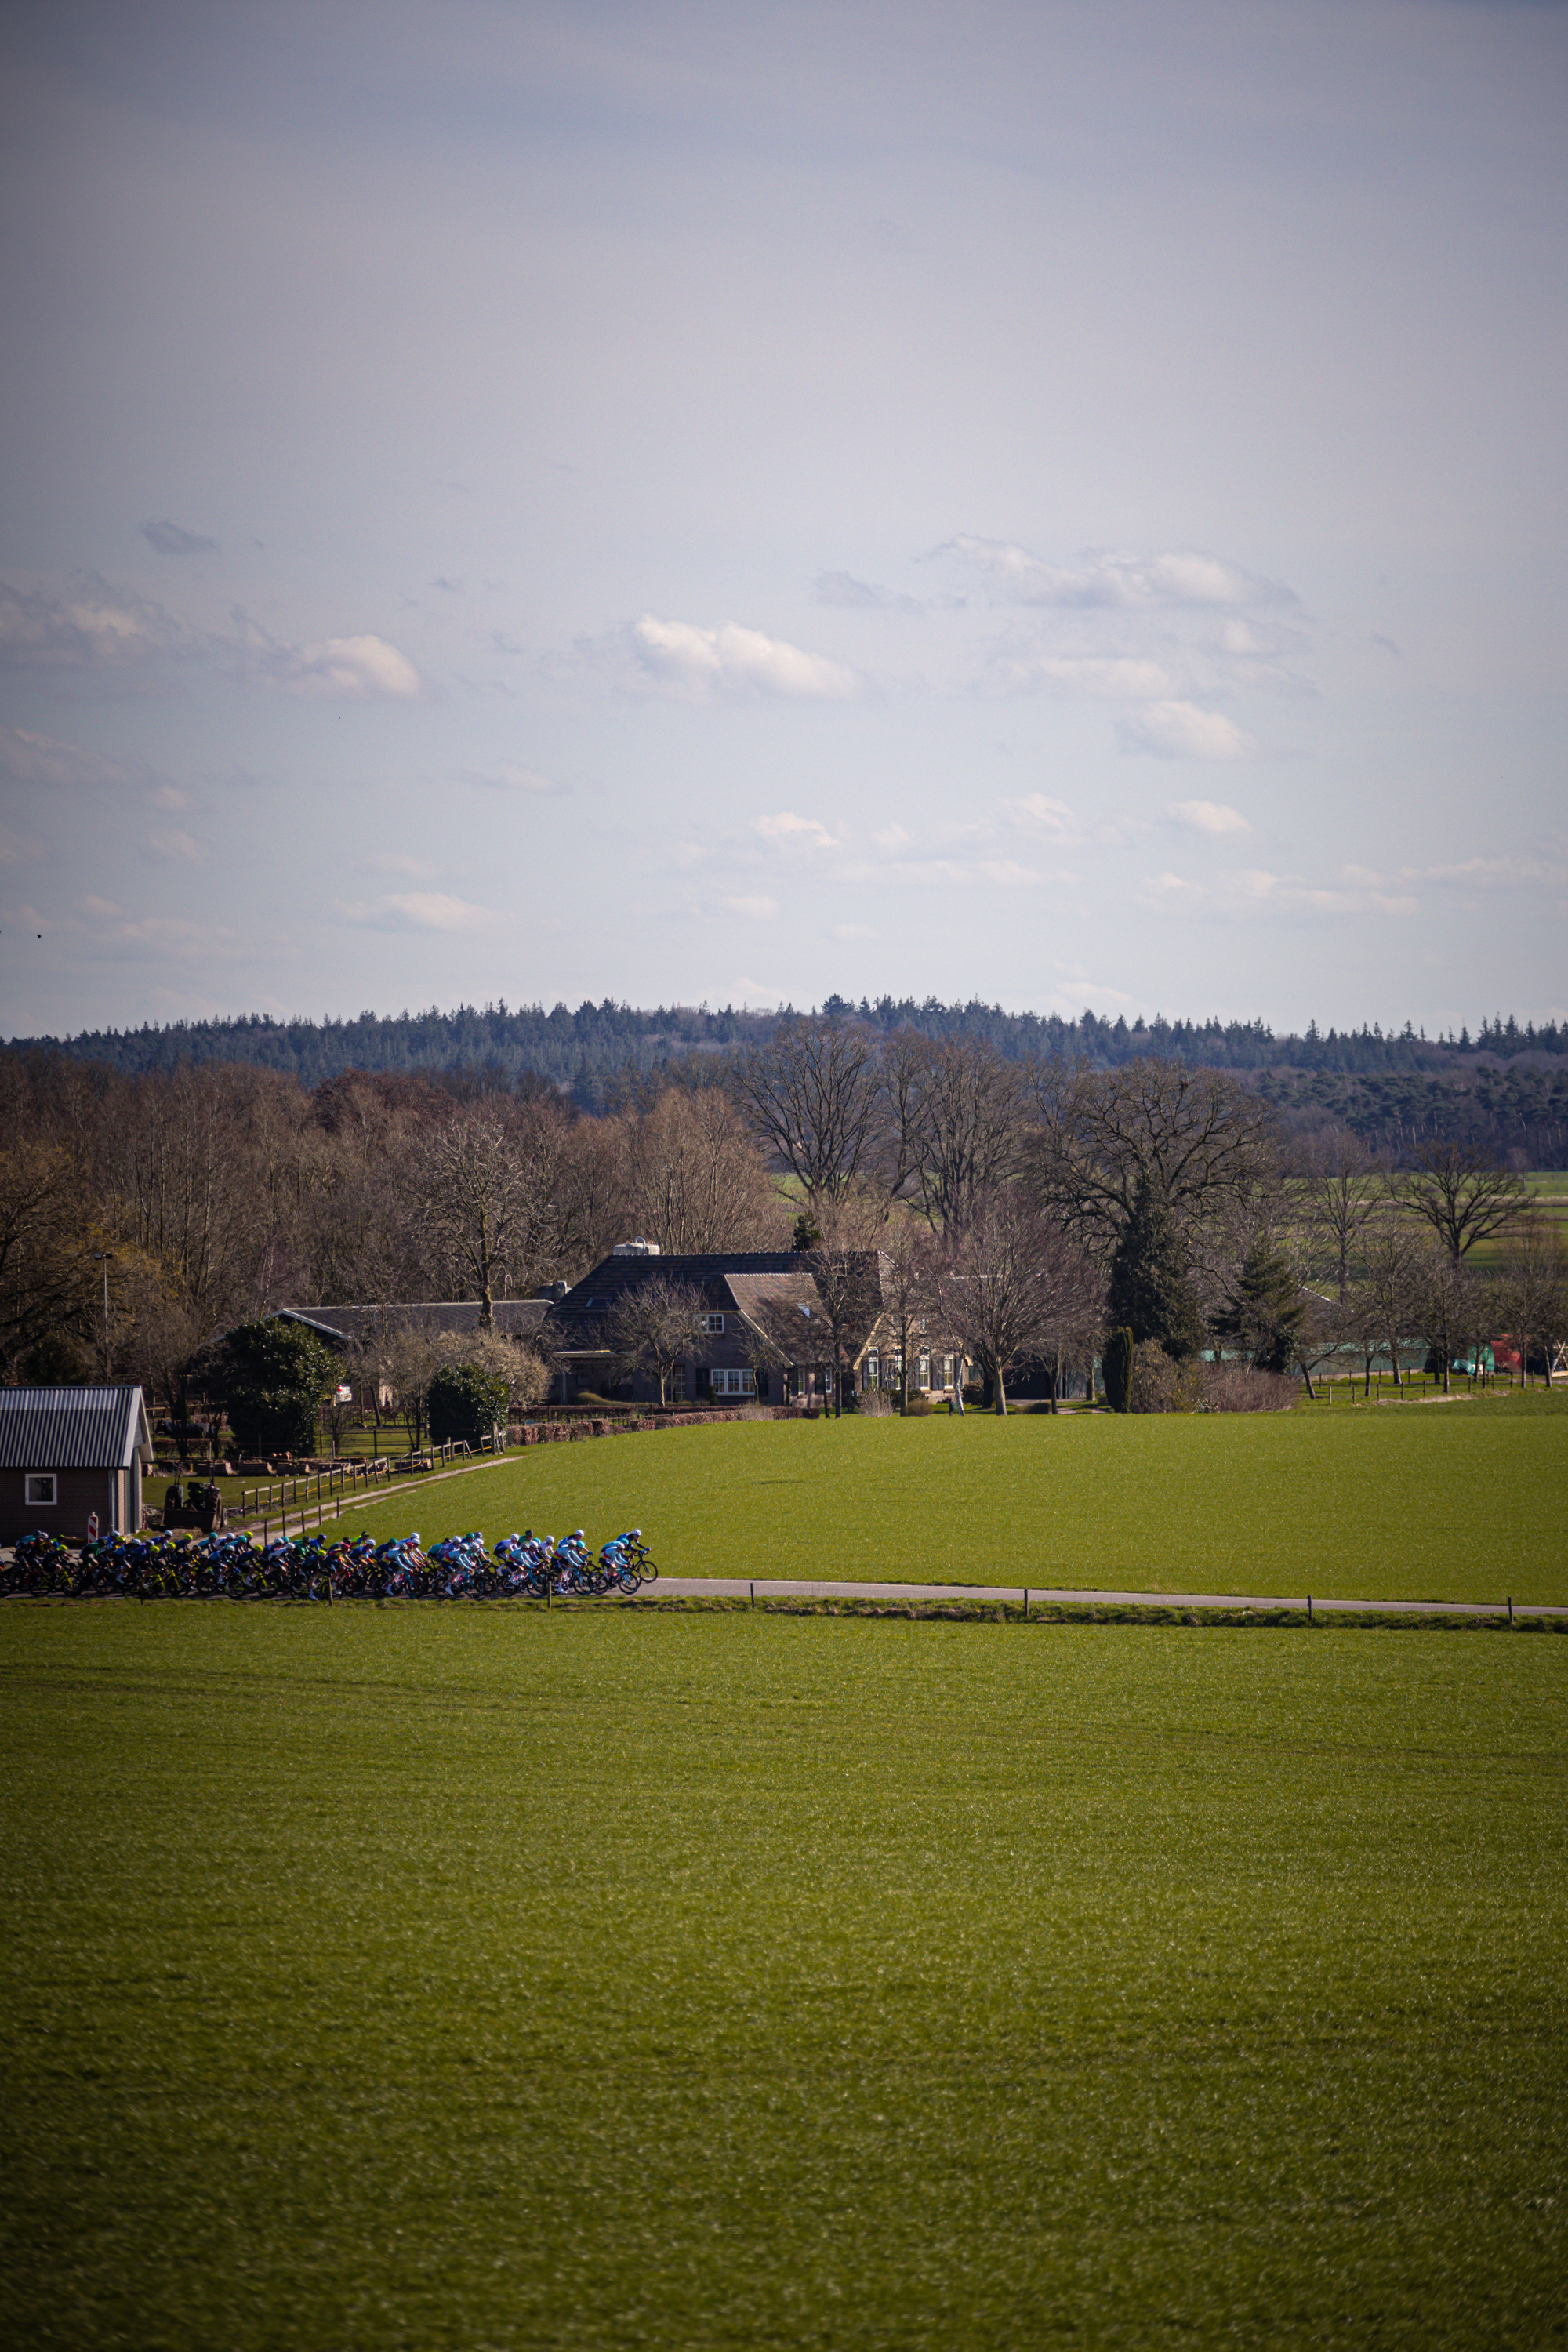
x: 1444, y: 1297
x: 1532, y: 1290
x: 693, y: 1180
x: 1384, y: 1300
x: 487, y: 1188
x: 911, y: 1293
x: 1197, y: 1134
x: 813, y: 1098
x: 844, y: 1268
x: 1462, y: 1194
x: 956, y: 1126
x: 1337, y: 1188
x: 652, y: 1327
x: 1015, y: 1287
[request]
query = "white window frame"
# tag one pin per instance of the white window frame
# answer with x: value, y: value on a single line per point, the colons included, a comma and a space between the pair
x: 34, y: 1501
x: 726, y: 1381
x: 711, y: 1322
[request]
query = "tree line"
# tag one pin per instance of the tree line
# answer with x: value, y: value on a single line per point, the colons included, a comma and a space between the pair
x: 589, y: 1051
x: 143, y: 1214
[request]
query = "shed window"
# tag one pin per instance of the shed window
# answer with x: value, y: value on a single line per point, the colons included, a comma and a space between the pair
x: 40, y: 1488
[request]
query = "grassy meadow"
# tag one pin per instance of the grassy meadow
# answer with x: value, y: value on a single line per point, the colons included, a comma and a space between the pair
x: 483, y: 1976
x: 1465, y: 1500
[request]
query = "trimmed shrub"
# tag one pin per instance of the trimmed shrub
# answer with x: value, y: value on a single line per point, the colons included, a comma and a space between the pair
x: 275, y: 1375
x: 1241, y: 1388
x: 465, y: 1404
x: 919, y: 1406
x: 1116, y: 1369
x: 876, y: 1404
x: 1157, y: 1382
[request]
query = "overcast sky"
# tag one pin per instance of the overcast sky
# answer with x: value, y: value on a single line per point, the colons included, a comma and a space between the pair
x: 1059, y: 503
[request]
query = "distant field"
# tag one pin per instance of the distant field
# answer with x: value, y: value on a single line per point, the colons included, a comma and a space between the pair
x: 401, y: 1977
x: 1458, y: 1501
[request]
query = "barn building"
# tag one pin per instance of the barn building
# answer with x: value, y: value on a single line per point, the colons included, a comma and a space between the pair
x: 68, y: 1456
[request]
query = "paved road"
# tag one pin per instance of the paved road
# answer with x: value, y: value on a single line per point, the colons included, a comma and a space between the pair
x: 784, y: 1588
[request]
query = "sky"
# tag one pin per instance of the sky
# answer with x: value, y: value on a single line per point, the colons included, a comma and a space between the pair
x: 1061, y: 504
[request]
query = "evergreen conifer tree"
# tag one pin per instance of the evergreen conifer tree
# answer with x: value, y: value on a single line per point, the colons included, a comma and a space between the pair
x: 1149, y: 1289
x: 1265, y: 1308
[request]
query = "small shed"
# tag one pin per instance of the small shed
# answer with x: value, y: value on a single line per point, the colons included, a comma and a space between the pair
x: 69, y: 1455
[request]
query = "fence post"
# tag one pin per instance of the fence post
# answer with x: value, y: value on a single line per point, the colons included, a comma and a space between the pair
x: 1026, y: 1604
x: 1309, y: 1608
x: 753, y: 1596
x: 1510, y: 1609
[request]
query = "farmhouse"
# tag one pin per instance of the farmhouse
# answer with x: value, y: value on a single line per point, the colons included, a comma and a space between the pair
x: 764, y: 1331
x: 70, y: 1458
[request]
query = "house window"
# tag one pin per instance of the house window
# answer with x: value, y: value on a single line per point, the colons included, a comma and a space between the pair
x: 40, y: 1489
x: 711, y: 1322
x: 733, y: 1383
x: 868, y: 1373
x: 922, y: 1376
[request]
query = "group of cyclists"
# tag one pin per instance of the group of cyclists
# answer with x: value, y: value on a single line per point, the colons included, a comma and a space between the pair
x: 314, y: 1567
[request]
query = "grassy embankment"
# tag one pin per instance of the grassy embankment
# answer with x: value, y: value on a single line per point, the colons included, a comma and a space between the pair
x: 1458, y: 1501
x: 401, y: 1977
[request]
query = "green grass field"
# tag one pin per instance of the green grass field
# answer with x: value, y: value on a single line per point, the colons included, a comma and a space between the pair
x: 410, y: 1977
x: 1461, y: 1501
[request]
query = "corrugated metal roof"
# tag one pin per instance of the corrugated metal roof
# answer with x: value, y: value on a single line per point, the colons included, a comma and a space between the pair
x: 73, y: 1429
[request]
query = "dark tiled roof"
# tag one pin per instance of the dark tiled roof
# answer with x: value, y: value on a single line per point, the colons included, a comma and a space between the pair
x: 767, y: 1286
x: 73, y: 1429
x: 516, y: 1319
x: 709, y: 1274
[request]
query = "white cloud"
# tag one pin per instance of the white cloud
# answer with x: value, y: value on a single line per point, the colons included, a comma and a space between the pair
x: 169, y: 842
x: 1185, y: 730
x: 1253, y: 890
x: 423, y: 910
x: 700, y: 663
x: 1255, y: 640
x: 168, y: 797
x: 351, y: 670
x: 756, y: 910
x: 1209, y: 816
x: 1180, y: 578
x: 90, y: 627
x: 892, y: 837
x: 43, y: 759
x: 788, y: 826
x: 1045, y: 815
